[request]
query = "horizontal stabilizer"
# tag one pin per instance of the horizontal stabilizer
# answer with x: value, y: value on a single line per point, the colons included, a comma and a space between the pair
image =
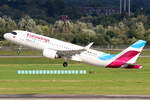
x: 131, y: 66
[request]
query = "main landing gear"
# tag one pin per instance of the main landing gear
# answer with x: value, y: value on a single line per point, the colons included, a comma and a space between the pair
x: 65, y: 64
x: 19, y: 50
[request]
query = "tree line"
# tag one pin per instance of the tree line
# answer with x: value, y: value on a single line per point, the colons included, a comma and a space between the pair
x: 83, y: 31
x: 52, y: 10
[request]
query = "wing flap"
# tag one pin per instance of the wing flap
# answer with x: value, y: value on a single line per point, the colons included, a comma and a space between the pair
x: 70, y: 53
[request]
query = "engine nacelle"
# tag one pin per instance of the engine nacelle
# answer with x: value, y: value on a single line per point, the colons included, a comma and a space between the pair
x: 48, y: 53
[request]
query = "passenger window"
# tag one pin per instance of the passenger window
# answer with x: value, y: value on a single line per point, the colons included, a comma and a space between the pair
x: 14, y: 33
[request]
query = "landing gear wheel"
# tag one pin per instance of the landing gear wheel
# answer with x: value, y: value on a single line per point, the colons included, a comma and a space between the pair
x: 65, y: 64
x: 19, y: 50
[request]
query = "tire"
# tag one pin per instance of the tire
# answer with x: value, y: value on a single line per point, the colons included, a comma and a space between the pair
x: 65, y: 64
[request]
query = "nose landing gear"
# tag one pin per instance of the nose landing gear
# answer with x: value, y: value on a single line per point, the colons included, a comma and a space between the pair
x: 19, y: 50
x: 65, y: 64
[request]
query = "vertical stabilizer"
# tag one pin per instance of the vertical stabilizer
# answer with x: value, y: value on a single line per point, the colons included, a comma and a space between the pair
x: 129, y: 55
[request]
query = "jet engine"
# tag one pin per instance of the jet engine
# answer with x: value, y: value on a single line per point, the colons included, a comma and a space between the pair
x: 48, y: 53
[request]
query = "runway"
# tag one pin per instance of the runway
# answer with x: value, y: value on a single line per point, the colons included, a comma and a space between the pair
x: 74, y: 97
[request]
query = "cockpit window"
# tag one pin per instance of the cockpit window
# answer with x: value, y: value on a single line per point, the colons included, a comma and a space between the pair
x: 14, y: 33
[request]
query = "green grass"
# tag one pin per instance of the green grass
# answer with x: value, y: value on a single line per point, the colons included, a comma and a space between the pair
x: 97, y: 80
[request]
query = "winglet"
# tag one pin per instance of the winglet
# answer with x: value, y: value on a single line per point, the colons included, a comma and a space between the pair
x: 88, y: 46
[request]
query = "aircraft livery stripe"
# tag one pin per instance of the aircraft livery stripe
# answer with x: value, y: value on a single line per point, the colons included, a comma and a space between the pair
x: 123, y: 59
x: 105, y: 57
x: 139, y: 44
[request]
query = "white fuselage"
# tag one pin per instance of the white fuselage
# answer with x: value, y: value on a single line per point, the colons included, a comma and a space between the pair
x: 40, y: 42
x: 53, y: 48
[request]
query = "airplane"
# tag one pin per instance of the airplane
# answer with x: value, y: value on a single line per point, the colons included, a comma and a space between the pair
x: 54, y: 49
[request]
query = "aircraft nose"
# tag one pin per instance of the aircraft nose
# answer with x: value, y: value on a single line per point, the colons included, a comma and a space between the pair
x: 6, y: 35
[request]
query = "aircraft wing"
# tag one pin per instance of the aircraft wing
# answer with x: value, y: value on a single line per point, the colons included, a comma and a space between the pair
x: 70, y: 53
